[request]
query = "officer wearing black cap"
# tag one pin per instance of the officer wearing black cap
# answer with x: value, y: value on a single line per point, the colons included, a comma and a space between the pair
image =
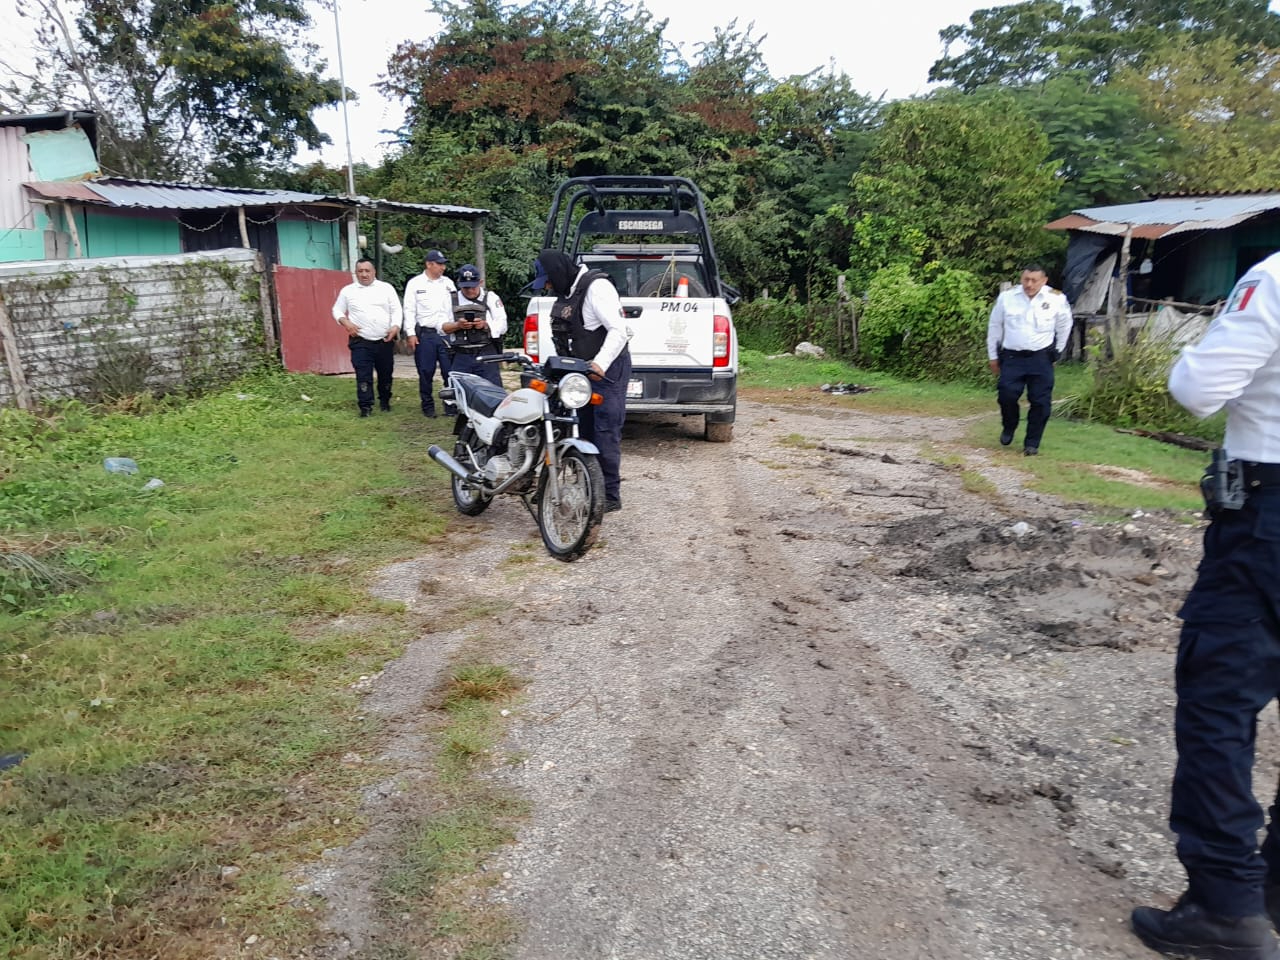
x: 1228, y: 664
x: 587, y: 323
x: 477, y: 319
x: 427, y: 303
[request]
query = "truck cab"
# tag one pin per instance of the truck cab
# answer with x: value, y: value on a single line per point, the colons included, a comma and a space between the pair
x: 650, y: 235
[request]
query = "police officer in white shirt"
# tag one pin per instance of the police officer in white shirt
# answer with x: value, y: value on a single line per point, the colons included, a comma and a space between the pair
x: 369, y: 311
x: 478, y: 321
x: 1228, y: 663
x: 1028, y: 330
x: 427, y: 304
x: 590, y: 311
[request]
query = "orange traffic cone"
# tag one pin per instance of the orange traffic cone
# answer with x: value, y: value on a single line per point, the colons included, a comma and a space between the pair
x: 682, y: 288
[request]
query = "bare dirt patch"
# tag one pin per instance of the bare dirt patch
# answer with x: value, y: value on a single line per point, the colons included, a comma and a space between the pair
x: 815, y: 700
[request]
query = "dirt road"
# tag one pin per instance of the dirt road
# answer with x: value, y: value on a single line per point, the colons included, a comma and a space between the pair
x: 809, y: 698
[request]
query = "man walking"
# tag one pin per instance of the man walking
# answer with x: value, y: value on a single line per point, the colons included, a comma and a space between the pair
x: 1228, y: 664
x: 369, y: 311
x: 1027, y: 332
x: 428, y: 304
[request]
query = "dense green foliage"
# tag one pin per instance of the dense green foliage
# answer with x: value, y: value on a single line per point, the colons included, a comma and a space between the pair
x: 946, y: 187
x: 916, y: 330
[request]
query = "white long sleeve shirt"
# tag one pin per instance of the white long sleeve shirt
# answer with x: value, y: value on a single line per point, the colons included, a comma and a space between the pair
x: 374, y: 308
x: 1017, y: 323
x: 602, y: 307
x: 427, y: 303
x: 1236, y: 364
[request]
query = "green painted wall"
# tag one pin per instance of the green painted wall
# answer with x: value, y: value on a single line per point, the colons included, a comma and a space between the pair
x: 25, y: 244
x: 104, y: 235
x: 310, y: 243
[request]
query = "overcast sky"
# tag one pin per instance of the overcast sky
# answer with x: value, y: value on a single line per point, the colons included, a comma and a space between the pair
x: 884, y: 47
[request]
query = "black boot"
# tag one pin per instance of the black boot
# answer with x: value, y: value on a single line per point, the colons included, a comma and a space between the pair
x: 1188, y: 930
x: 1271, y: 893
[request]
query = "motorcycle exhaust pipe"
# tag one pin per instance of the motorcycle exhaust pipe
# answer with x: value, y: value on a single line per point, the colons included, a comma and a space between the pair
x: 450, y: 464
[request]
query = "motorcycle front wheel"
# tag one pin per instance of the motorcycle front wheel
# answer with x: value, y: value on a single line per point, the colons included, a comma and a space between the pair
x: 467, y: 497
x: 569, y: 527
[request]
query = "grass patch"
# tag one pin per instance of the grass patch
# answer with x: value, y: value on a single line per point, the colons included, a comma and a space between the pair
x: 165, y: 666
x: 435, y: 879
x: 798, y: 380
x: 1101, y: 466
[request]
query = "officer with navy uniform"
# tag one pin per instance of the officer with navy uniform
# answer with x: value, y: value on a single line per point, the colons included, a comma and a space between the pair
x: 1228, y: 662
x: 427, y: 299
x: 1026, y: 333
x: 477, y: 320
x: 587, y: 323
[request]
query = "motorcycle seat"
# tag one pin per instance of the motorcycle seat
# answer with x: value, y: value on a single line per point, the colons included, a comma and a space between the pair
x: 480, y: 393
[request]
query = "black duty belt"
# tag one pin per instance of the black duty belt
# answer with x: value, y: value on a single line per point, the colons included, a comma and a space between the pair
x: 1259, y: 474
x: 1026, y: 353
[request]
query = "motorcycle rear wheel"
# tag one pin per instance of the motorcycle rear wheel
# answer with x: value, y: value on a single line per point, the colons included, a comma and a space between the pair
x: 570, y: 527
x: 467, y: 497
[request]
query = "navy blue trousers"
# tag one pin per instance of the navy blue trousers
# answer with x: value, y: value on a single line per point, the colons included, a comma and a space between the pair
x: 1035, y: 375
x: 370, y: 357
x: 1228, y: 670
x: 602, y: 424
x: 431, y: 352
x: 465, y: 362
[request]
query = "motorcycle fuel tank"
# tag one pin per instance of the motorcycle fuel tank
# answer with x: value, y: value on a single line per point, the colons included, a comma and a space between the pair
x: 522, y: 406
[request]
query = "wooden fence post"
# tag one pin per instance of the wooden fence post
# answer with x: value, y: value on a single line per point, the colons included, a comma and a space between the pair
x: 13, y: 360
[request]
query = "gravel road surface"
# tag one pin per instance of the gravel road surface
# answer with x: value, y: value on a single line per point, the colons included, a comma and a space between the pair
x: 810, y: 698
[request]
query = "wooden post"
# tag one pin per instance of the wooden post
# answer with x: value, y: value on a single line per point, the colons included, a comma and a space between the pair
x: 1117, y: 308
x: 73, y: 230
x: 13, y: 360
x: 840, y: 299
x: 244, y: 229
x: 266, y: 303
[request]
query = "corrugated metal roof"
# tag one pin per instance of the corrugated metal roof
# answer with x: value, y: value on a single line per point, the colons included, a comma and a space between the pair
x: 155, y: 195
x: 1150, y: 219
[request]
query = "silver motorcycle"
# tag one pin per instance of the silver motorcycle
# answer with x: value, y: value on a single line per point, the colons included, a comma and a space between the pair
x: 525, y: 443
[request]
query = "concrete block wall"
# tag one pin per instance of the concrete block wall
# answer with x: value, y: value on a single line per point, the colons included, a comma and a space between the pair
x: 169, y: 323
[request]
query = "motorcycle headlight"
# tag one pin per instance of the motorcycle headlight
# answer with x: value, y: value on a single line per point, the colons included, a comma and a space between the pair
x: 575, y: 391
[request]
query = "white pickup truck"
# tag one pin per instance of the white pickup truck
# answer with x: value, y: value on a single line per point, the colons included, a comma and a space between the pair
x: 658, y: 253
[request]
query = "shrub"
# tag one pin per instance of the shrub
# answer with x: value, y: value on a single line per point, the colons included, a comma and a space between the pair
x: 770, y: 326
x: 1128, y: 387
x: 919, y: 330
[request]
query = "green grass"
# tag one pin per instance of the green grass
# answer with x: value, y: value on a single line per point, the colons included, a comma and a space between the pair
x: 434, y: 879
x: 799, y: 380
x: 172, y: 701
x: 1099, y: 466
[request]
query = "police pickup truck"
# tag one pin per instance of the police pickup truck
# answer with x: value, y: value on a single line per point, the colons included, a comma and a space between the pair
x: 650, y: 235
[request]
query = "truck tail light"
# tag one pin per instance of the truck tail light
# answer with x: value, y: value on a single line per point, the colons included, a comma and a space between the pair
x: 720, y: 342
x: 531, y: 336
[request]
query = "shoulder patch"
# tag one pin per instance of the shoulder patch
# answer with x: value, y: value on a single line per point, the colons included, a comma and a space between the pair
x: 1240, y: 296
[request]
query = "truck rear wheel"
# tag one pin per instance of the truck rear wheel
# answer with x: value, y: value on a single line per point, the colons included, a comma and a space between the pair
x: 718, y: 431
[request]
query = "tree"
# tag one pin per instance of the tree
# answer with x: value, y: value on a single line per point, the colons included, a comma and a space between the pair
x: 1219, y: 101
x: 1031, y: 41
x: 1104, y: 146
x: 953, y: 182
x: 182, y: 88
